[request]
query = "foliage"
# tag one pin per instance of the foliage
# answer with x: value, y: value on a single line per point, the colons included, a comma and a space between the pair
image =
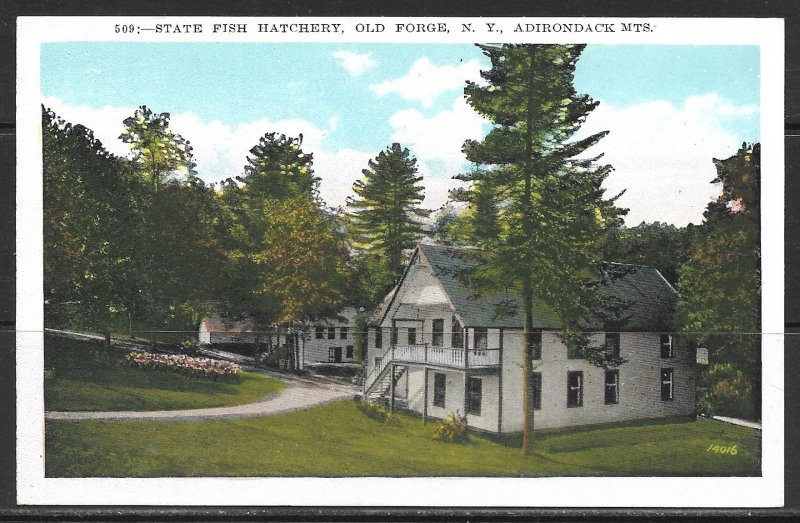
x: 286, y: 257
x: 376, y: 412
x: 156, y: 148
x: 720, y: 285
x: 538, y: 206
x: 725, y: 391
x: 360, y: 339
x: 199, y: 367
x: 453, y: 429
x: 384, y: 217
x: 277, y: 167
x: 659, y: 245
x: 92, y: 201
x: 337, y: 440
x: 117, y: 247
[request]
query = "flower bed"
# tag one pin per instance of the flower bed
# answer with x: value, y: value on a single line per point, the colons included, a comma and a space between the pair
x: 200, y: 367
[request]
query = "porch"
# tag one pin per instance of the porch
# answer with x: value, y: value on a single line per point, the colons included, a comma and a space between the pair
x: 423, y: 353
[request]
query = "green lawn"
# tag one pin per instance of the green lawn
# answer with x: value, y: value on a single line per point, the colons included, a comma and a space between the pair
x: 339, y: 440
x: 82, y: 375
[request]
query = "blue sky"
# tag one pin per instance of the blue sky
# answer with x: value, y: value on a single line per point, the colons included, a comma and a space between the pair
x: 351, y: 101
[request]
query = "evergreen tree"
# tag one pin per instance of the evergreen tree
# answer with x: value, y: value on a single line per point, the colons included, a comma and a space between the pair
x: 384, y: 218
x: 551, y: 211
x: 278, y: 168
x: 720, y: 285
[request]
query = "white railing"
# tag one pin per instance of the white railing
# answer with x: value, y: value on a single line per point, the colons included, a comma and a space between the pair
x: 380, y: 364
x: 423, y: 353
x: 446, y: 356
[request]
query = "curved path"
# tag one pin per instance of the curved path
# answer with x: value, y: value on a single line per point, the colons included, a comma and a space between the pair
x: 299, y: 394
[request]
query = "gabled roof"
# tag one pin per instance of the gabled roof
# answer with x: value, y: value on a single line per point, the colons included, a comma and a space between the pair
x: 380, y: 311
x: 648, y: 299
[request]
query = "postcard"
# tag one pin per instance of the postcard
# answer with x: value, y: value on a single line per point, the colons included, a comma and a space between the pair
x: 526, y: 262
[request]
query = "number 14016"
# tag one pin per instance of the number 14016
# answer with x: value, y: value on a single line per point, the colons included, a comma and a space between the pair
x: 723, y: 449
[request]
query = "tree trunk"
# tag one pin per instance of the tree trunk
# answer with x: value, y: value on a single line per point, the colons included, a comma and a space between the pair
x: 527, y: 290
x: 527, y: 360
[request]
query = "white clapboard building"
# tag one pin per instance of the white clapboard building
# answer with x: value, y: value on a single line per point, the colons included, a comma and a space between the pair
x: 435, y: 347
x: 326, y: 341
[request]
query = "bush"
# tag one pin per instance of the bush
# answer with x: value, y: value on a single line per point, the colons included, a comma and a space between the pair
x: 376, y: 412
x: 452, y: 430
x: 725, y: 391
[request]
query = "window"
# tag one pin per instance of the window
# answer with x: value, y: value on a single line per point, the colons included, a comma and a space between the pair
x: 335, y: 354
x: 439, y: 385
x: 343, y: 333
x: 349, y: 352
x: 481, y: 338
x: 437, y: 336
x: 456, y: 334
x: 377, y: 362
x: 667, y: 385
x: 575, y: 388
x: 536, y: 390
x: 612, y: 344
x: 412, y: 336
x: 331, y: 333
x: 666, y: 346
x: 612, y: 387
x: 474, y: 394
x: 536, y: 345
x: 394, y: 335
x: 378, y: 338
x: 319, y: 332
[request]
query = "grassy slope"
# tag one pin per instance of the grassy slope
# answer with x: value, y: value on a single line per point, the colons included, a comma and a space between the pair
x: 84, y: 376
x: 338, y: 440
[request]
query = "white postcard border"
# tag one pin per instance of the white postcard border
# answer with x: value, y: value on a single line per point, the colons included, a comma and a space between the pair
x: 34, y: 489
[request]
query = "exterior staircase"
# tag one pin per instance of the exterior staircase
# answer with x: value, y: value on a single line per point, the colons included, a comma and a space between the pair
x: 379, y: 389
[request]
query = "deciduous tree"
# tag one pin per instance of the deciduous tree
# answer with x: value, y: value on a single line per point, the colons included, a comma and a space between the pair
x: 156, y: 148
x: 720, y: 285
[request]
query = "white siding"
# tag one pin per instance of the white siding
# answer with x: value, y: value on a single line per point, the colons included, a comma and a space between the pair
x: 204, y: 336
x: 316, y: 350
x: 639, y: 389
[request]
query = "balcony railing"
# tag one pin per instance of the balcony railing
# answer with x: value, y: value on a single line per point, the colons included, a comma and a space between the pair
x: 447, y: 357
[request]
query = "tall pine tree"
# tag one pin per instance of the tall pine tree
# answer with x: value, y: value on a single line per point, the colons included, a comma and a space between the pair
x: 384, y: 217
x: 551, y: 212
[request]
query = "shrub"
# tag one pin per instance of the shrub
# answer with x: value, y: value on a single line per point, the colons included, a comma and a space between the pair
x: 727, y: 392
x: 453, y: 429
x: 375, y: 411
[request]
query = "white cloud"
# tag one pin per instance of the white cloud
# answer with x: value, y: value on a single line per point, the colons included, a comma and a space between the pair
x: 220, y: 150
x: 106, y: 121
x: 425, y: 81
x: 662, y: 154
x: 338, y: 171
x: 354, y: 63
x: 437, y: 142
